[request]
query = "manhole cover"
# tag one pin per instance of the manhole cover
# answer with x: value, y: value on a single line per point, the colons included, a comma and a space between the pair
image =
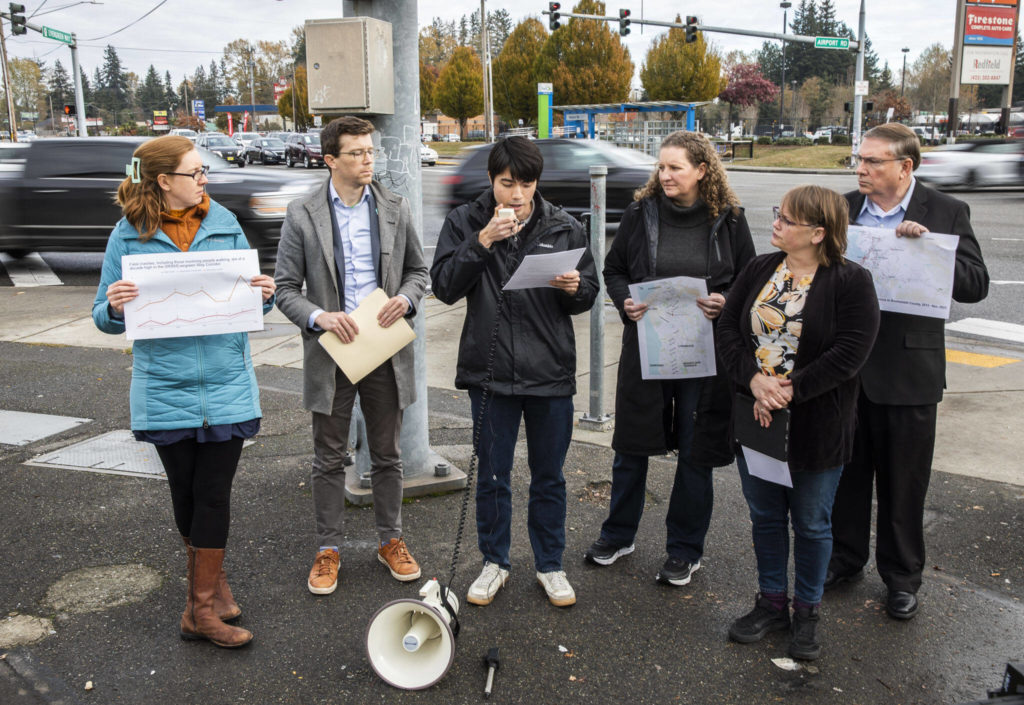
x: 116, y: 452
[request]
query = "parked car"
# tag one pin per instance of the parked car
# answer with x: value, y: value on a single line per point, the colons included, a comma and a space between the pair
x: 928, y: 134
x: 428, y: 156
x: 303, y: 148
x: 265, y: 150
x: 185, y: 132
x: 969, y: 165
x: 63, y: 202
x: 245, y: 138
x: 566, y: 177
x: 223, y: 146
x: 451, y: 137
x: 12, y: 158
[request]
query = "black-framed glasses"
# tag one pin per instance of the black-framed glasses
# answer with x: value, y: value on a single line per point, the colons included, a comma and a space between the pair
x: 202, y: 171
x: 777, y: 211
x: 873, y: 162
x: 375, y: 153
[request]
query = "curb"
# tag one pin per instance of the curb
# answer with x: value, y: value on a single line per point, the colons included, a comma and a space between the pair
x: 787, y: 170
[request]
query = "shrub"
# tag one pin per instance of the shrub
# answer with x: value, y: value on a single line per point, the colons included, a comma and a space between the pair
x: 841, y: 139
x: 794, y: 141
x: 764, y: 139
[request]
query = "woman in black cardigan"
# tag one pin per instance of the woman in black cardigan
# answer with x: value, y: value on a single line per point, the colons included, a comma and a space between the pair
x: 685, y: 221
x: 796, y: 329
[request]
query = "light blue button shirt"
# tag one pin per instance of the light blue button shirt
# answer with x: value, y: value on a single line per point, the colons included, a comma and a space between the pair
x: 873, y: 216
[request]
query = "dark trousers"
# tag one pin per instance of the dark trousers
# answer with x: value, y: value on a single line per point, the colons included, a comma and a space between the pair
x: 200, y: 476
x: 378, y: 398
x: 689, y: 509
x: 893, y: 455
x: 548, y: 433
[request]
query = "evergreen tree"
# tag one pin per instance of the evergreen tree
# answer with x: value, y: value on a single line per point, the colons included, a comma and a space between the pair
x: 151, y: 96
x: 60, y: 87
x: 113, y: 92
x: 170, y: 97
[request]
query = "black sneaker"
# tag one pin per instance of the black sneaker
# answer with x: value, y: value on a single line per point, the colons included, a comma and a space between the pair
x: 677, y: 571
x: 764, y: 618
x: 804, y: 643
x: 603, y: 552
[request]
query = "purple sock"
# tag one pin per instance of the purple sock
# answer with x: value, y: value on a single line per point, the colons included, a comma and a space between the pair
x: 779, y: 600
x: 798, y: 604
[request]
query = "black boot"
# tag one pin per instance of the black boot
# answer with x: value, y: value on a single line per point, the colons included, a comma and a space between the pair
x: 764, y: 618
x: 803, y: 643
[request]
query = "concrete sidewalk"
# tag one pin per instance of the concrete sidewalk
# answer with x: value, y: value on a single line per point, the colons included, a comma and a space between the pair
x: 93, y: 564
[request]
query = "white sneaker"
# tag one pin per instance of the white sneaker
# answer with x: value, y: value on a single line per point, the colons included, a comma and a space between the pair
x: 557, y: 586
x: 492, y: 578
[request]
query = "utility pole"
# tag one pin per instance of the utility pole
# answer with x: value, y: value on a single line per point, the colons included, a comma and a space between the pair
x: 80, y: 106
x: 782, y: 95
x: 295, y: 125
x: 486, y: 63
x: 252, y: 85
x: 1004, y: 114
x: 953, y: 121
x: 903, y: 79
x: 858, y: 99
x: 7, y: 85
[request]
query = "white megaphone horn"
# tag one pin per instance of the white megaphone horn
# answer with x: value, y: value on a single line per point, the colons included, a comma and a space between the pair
x: 410, y: 643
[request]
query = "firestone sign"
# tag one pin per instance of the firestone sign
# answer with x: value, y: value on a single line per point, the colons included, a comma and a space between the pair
x: 989, y: 26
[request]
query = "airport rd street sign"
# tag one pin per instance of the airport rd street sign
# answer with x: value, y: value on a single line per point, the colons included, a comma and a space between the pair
x: 51, y: 33
x: 831, y: 43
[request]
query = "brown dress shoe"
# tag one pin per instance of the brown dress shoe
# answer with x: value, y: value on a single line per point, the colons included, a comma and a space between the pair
x: 200, y: 621
x: 323, y: 577
x: 223, y: 602
x: 395, y: 555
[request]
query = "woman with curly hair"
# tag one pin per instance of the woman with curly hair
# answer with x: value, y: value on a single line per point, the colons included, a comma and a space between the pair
x: 685, y: 221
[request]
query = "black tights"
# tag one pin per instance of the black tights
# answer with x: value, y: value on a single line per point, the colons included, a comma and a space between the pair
x: 200, y: 476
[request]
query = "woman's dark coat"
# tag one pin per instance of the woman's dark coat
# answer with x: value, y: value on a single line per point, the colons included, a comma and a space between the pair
x: 840, y: 322
x: 645, y: 422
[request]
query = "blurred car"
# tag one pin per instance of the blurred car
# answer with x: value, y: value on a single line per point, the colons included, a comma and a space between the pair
x: 245, y: 138
x: 265, y: 150
x: 280, y: 134
x: 303, y: 148
x: 927, y: 134
x: 12, y: 159
x: 973, y: 164
x: 26, y: 136
x: 451, y: 137
x: 223, y: 146
x: 64, y: 200
x: 1017, y: 131
x: 565, y: 180
x: 184, y: 132
x: 428, y: 156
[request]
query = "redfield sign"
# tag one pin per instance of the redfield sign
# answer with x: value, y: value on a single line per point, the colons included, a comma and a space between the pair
x: 990, y: 26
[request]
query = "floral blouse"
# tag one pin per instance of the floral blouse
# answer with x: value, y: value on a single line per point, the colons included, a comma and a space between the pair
x: 776, y: 320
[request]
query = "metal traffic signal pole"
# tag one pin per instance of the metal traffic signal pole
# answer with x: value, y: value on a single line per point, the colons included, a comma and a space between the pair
x: 7, y: 84
x: 858, y: 99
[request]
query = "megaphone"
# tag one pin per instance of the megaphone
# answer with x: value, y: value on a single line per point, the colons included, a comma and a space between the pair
x: 410, y: 643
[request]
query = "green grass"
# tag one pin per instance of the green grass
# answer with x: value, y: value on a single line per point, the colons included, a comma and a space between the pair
x: 449, y: 149
x: 814, y: 157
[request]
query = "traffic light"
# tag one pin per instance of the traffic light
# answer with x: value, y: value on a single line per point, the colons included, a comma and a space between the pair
x: 624, y: 22
x: 553, y: 15
x: 868, y: 106
x: 69, y: 109
x: 846, y: 107
x: 691, y: 29
x: 17, y: 18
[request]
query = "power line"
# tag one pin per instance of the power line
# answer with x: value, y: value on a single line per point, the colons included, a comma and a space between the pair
x: 157, y: 7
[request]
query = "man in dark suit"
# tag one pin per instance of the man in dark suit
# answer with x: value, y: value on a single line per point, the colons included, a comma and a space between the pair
x: 902, y: 381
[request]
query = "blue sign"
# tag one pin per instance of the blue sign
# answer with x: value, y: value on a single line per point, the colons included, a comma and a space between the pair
x: 199, y: 109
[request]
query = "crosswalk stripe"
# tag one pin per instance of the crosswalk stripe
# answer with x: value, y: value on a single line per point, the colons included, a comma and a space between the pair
x: 988, y: 329
x: 30, y: 270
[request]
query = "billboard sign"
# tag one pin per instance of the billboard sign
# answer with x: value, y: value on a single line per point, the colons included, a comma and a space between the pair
x: 984, y: 65
x: 989, y: 26
x: 199, y: 109
x: 1010, y: 3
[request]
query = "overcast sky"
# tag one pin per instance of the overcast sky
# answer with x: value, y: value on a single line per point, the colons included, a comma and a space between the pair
x: 179, y: 35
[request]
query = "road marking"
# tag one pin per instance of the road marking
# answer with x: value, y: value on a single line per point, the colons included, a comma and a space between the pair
x: 1009, y: 239
x: 30, y: 270
x: 1005, y: 281
x: 978, y: 360
x: 989, y: 329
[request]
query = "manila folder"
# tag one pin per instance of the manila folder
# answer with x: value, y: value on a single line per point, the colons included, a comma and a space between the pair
x: 373, y: 345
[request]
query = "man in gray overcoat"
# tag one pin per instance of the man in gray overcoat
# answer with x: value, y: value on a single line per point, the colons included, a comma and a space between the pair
x: 343, y: 241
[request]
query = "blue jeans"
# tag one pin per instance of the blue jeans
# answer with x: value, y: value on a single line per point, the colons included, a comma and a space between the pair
x: 689, y: 509
x: 548, y: 432
x: 808, y: 505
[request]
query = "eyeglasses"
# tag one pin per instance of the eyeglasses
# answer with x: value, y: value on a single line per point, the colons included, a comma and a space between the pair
x: 360, y: 153
x: 873, y: 162
x: 777, y: 211
x: 203, y: 171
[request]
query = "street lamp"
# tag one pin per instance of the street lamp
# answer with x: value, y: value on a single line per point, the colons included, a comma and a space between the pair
x: 782, y: 96
x: 903, y: 80
x: 792, y: 106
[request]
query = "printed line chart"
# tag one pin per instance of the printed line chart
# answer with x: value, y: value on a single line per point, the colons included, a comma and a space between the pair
x: 202, y: 294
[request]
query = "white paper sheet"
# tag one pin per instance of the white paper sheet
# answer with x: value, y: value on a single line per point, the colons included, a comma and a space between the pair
x: 676, y: 339
x: 767, y: 468
x: 192, y: 293
x: 537, y: 270
x: 912, y: 274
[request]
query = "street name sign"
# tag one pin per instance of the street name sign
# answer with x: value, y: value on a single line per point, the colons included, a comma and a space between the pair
x: 831, y: 43
x: 51, y: 33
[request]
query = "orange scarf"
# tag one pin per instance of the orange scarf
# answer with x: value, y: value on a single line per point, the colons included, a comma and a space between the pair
x: 182, y: 225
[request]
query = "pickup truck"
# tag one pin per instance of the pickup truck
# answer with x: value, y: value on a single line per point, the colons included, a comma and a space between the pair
x: 63, y: 200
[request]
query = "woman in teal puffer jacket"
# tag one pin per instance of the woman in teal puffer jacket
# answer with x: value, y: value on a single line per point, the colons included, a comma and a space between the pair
x: 195, y: 398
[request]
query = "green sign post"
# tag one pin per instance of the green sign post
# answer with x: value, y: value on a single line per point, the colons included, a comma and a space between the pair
x: 51, y: 33
x: 831, y: 43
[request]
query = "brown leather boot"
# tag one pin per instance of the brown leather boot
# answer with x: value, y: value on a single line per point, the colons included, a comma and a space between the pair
x: 201, y: 621
x: 223, y: 602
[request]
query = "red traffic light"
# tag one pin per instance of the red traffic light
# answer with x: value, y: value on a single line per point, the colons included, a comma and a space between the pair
x: 623, y: 14
x: 554, y: 6
x: 691, y: 19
